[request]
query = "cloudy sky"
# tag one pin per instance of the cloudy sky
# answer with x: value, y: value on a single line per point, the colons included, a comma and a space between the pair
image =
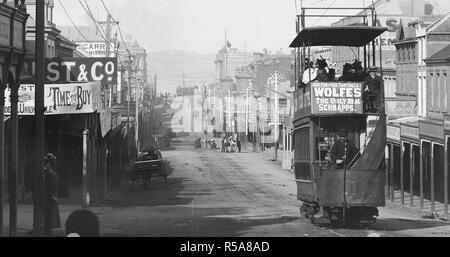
x: 199, y: 25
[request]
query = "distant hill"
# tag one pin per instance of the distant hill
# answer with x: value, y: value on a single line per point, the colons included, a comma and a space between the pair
x: 170, y: 65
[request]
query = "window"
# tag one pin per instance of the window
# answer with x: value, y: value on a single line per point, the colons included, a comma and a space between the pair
x: 436, y: 100
x: 442, y: 92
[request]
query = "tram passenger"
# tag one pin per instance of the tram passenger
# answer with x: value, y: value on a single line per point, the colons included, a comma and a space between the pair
x: 332, y: 75
x: 372, y: 91
x: 309, y: 74
x: 359, y: 75
x: 347, y: 73
x: 343, y: 150
x: 322, y: 75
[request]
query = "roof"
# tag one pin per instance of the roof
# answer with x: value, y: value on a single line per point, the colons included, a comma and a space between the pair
x: 356, y: 36
x: 442, y: 55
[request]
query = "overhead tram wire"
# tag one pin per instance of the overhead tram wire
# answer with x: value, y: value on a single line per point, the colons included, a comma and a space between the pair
x: 71, y: 21
x: 92, y: 16
x: 321, y: 16
x: 118, y: 25
x: 93, y: 19
x: 106, y: 8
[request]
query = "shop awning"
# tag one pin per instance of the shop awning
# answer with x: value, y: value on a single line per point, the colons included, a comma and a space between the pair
x: 354, y: 36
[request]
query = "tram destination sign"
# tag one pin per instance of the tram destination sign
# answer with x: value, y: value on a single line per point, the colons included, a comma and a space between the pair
x: 336, y: 98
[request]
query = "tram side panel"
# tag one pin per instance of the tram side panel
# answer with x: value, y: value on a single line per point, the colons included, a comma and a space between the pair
x: 306, y: 186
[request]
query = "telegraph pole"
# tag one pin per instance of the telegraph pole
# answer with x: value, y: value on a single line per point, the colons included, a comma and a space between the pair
x: 137, y: 94
x: 38, y: 192
x: 108, y: 24
x: 128, y: 101
x: 276, y: 116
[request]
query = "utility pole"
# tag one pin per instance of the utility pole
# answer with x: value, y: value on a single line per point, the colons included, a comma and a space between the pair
x: 229, y: 110
x: 137, y: 93
x: 276, y: 116
x: 109, y: 22
x: 38, y: 192
x: 274, y: 79
x: 128, y: 102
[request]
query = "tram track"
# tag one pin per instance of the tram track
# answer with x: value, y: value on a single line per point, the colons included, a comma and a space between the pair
x: 265, y: 192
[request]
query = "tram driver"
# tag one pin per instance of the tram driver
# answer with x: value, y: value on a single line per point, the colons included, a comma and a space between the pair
x: 343, y: 150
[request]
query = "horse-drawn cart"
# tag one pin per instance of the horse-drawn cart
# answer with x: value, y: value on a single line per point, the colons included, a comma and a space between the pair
x: 150, y: 164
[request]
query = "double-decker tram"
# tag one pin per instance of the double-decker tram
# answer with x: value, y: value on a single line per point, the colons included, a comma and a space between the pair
x: 340, y: 128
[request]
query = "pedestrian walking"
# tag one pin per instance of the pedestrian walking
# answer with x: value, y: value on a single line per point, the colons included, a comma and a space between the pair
x: 51, y: 180
x: 238, y: 142
x: 232, y: 144
x: 82, y: 223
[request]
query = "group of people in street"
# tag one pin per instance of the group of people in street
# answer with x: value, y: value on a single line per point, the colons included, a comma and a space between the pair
x: 373, y: 83
x: 230, y: 144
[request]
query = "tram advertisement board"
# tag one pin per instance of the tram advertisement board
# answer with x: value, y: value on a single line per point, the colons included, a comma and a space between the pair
x: 336, y: 98
x: 78, y: 98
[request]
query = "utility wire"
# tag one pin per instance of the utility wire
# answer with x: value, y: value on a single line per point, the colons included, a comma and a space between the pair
x: 326, y: 10
x: 88, y: 12
x: 71, y: 21
x: 123, y: 41
x: 120, y: 30
x: 92, y: 16
x: 106, y: 8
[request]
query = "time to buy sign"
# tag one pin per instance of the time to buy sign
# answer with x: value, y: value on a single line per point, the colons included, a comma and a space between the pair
x: 337, y: 98
x: 78, y: 98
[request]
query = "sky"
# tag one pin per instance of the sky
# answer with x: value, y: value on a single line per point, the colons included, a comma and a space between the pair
x: 199, y: 25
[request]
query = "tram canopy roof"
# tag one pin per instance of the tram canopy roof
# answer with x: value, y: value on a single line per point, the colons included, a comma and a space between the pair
x: 355, y: 36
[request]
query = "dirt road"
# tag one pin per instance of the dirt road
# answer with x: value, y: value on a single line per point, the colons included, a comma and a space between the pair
x: 241, y: 194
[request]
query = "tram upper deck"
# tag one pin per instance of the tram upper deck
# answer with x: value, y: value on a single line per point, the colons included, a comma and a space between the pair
x: 332, y: 97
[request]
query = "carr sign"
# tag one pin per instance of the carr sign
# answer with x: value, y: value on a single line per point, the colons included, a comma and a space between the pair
x: 336, y: 98
x: 96, y: 49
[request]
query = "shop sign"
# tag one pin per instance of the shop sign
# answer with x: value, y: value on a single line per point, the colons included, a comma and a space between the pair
x: 82, y: 70
x: 401, y: 108
x: 59, y: 99
x: 336, y: 98
x: 96, y: 49
x: 70, y: 70
x: 393, y: 133
x: 410, y: 132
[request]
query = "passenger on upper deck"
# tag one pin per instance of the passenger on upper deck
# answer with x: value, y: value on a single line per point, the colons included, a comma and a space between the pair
x: 332, y: 75
x: 347, y: 73
x: 322, y: 75
x: 373, y: 91
x: 359, y: 75
x: 309, y: 74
